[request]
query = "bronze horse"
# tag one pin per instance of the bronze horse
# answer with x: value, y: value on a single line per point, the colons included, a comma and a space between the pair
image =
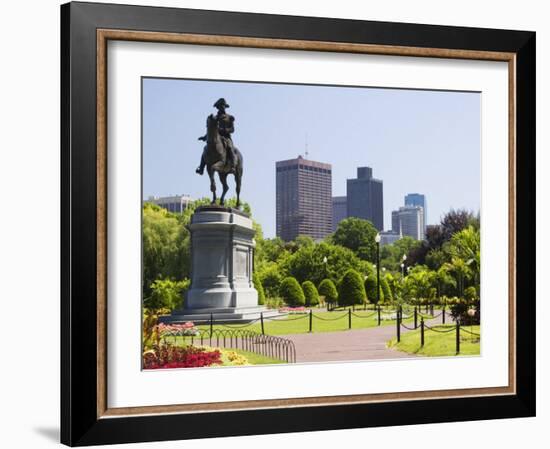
x: 215, y: 157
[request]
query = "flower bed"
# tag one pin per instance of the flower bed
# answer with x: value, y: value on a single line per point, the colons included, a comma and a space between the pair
x: 177, y: 330
x: 294, y: 310
x: 168, y: 356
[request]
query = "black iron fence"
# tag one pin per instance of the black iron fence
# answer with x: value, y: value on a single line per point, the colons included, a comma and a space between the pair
x: 439, y: 328
x: 245, y: 339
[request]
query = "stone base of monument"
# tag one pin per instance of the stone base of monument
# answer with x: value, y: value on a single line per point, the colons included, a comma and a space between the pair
x: 221, y: 316
x: 222, y: 256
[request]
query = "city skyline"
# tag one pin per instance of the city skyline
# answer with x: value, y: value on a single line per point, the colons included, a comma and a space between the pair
x: 347, y: 127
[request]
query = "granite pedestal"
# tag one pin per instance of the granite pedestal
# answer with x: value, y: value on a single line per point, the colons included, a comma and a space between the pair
x: 222, y: 263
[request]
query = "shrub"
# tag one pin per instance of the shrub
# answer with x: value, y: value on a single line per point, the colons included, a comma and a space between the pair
x: 352, y: 290
x: 470, y: 294
x: 259, y: 288
x: 372, y: 291
x: 385, y: 287
x: 328, y: 290
x: 311, y: 293
x: 291, y: 292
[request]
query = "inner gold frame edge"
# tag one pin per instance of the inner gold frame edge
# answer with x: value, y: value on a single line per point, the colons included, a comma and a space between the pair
x: 103, y: 36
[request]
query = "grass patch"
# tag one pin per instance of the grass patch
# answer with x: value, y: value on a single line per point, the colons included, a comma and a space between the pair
x: 438, y: 344
x: 323, y: 321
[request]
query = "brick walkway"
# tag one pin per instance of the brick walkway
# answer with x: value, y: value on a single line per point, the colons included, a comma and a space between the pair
x: 361, y: 344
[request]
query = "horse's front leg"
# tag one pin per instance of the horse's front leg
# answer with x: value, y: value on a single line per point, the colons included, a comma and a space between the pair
x: 223, y: 179
x: 212, y: 186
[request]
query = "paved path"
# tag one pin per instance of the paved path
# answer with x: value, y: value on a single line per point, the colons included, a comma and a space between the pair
x: 361, y: 344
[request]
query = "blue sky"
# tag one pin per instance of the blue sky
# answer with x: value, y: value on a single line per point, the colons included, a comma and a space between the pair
x: 415, y: 140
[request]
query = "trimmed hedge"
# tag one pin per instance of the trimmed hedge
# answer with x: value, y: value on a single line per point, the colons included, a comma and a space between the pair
x: 311, y: 293
x: 352, y: 290
x: 386, y: 291
x: 328, y: 290
x: 291, y: 292
x: 259, y: 288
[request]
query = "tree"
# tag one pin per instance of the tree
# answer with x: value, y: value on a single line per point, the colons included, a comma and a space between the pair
x: 165, y: 246
x: 391, y: 255
x: 307, y: 264
x: 328, y: 290
x: 166, y: 294
x: 311, y: 294
x: 352, y: 290
x: 291, y: 292
x: 259, y: 288
x: 358, y: 235
x: 461, y: 271
x: 435, y: 236
x: 271, y: 277
x: 419, y: 284
x: 443, y: 279
x: 455, y: 221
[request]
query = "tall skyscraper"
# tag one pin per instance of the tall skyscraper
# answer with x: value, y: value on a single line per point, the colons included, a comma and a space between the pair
x: 339, y: 210
x: 418, y: 199
x: 365, y: 197
x: 409, y: 221
x: 304, y: 198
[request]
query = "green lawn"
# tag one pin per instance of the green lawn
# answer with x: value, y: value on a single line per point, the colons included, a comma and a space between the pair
x: 323, y: 321
x: 439, y: 344
x: 256, y: 359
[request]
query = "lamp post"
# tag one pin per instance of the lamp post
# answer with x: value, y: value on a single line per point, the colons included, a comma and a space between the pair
x: 325, y: 260
x: 377, y: 240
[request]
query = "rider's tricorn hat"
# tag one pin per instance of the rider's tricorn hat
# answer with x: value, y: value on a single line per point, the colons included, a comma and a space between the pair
x: 221, y: 103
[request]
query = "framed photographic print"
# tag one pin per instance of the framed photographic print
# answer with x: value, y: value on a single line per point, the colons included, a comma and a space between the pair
x: 278, y: 224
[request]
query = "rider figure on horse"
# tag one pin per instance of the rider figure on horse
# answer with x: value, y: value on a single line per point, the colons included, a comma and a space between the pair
x: 226, y: 127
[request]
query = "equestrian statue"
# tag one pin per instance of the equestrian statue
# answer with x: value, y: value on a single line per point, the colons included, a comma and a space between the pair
x: 219, y: 154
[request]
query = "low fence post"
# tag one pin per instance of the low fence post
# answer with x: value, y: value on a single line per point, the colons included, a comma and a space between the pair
x: 457, y: 336
x: 349, y: 318
x: 415, y: 317
x: 211, y: 325
x: 432, y: 309
x: 379, y: 318
x: 398, y: 322
x: 443, y: 316
x: 262, y: 322
x: 310, y: 320
x: 421, y: 331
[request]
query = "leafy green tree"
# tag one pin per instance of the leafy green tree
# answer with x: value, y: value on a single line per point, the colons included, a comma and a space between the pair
x: 442, y: 279
x: 328, y: 290
x: 291, y: 292
x: 270, y: 276
x: 259, y: 288
x: 358, y: 235
x: 307, y: 264
x: 311, y: 293
x: 391, y: 256
x: 461, y: 271
x: 165, y: 246
x: 166, y: 294
x: 419, y: 284
x: 352, y: 290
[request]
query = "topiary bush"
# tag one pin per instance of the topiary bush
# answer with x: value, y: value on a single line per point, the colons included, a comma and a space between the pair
x: 386, y: 290
x: 291, y: 292
x: 259, y: 288
x: 372, y: 291
x: 328, y: 290
x: 311, y: 293
x: 352, y: 290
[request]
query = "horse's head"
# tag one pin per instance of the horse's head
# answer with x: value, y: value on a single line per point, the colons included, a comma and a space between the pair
x: 211, y: 122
